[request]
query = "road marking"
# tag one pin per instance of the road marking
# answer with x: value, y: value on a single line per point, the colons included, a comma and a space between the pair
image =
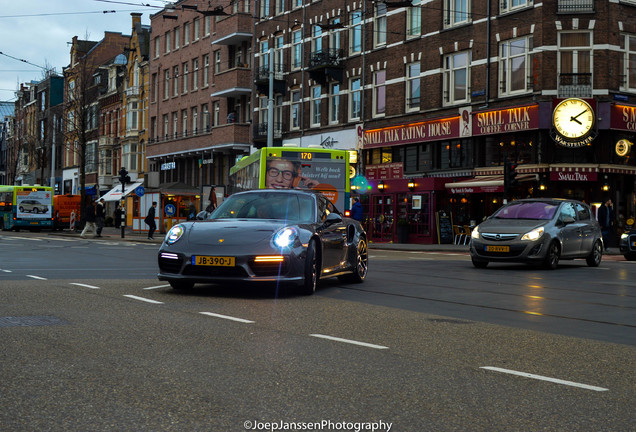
x: 349, y: 341
x: 420, y: 258
x: 36, y: 277
x: 158, y: 286
x: 142, y: 299
x: 227, y: 317
x: 84, y: 285
x: 32, y: 238
x: 7, y: 271
x: 544, y: 378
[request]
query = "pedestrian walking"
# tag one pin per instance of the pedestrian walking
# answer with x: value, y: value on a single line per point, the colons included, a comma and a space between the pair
x: 89, y: 218
x: 100, y: 214
x: 150, y: 220
x: 117, y: 216
x: 357, y: 212
x: 606, y: 220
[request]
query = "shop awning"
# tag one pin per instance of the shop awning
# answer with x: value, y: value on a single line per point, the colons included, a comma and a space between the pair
x: 485, y: 184
x: 115, y: 193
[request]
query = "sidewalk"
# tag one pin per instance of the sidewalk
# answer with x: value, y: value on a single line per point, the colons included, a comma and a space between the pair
x: 110, y: 233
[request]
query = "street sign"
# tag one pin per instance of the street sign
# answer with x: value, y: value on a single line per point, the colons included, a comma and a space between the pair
x: 170, y: 209
x: 140, y: 191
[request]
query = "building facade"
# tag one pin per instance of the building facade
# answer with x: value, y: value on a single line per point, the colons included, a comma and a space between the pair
x: 438, y: 95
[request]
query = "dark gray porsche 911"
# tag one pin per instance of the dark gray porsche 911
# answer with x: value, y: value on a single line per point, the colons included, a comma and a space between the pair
x: 284, y: 236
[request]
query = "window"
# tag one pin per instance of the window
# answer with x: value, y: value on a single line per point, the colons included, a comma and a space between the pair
x: 132, y: 119
x: 379, y: 93
x: 280, y: 6
x: 355, y: 32
x: 166, y: 84
x: 334, y: 103
x: 414, y: 19
x: 184, y: 122
x: 217, y: 113
x: 334, y: 35
x: 355, y: 99
x: 185, y: 78
x: 186, y: 34
x: 168, y: 40
x: 157, y: 46
x: 575, y: 64
x: 512, y: 5
x: 264, y: 8
x: 295, y: 109
x: 154, y: 84
x: 166, y: 126
x: 206, y: 70
x: 195, y: 120
x: 316, y: 39
x: 515, y: 62
x: 195, y: 74
x: 379, y: 30
x: 456, y: 77
x: 297, y: 3
x: 628, y: 62
x: 217, y: 62
x: 456, y: 12
x: 175, y: 124
x: 205, y: 121
x: 175, y: 88
x: 206, y: 26
x: 296, y: 49
x: 176, y: 38
x: 197, y: 29
x: 412, y: 86
x: 278, y: 53
x: 315, y: 105
x: 264, y: 55
x: 130, y: 156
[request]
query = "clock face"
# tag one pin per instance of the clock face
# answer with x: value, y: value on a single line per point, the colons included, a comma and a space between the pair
x: 573, y: 118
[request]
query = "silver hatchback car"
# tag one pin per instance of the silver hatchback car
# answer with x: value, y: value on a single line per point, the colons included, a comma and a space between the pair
x: 538, y: 231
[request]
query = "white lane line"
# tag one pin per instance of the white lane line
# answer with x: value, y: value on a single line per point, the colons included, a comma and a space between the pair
x: 227, y: 317
x: 544, y: 378
x: 7, y: 271
x: 142, y: 299
x: 32, y: 238
x: 156, y: 287
x: 36, y: 277
x: 84, y: 285
x: 349, y: 341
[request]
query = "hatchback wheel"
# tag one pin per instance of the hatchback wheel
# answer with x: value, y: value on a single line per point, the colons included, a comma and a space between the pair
x: 595, y: 256
x: 552, y: 257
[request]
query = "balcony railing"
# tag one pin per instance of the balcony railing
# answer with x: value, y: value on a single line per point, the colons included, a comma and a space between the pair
x: 326, y: 58
x: 262, y: 73
x: 575, y: 6
x: 260, y: 130
x: 132, y: 91
x: 575, y: 85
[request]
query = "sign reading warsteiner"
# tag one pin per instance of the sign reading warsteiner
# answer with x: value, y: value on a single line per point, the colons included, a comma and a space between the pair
x: 506, y: 120
x: 623, y: 117
x: 412, y: 133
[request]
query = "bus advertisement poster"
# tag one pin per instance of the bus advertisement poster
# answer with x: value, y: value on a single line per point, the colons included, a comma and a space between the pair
x: 34, y: 204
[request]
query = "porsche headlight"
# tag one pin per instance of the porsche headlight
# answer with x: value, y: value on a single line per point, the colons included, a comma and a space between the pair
x: 475, y: 233
x: 174, y: 234
x: 285, y: 237
x: 624, y: 236
x: 533, y: 235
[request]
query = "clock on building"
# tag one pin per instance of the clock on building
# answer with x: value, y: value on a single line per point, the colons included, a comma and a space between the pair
x: 573, y: 118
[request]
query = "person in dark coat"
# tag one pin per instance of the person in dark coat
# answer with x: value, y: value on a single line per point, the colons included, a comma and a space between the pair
x: 606, y: 220
x: 90, y: 220
x: 100, y: 215
x: 150, y: 220
x: 357, y: 212
x: 117, y: 216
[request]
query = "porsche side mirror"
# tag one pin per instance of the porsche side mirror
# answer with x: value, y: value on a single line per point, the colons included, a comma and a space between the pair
x: 568, y: 220
x: 333, y: 218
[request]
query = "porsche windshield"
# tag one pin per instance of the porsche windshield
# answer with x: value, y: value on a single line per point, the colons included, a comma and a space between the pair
x: 527, y: 210
x: 267, y: 205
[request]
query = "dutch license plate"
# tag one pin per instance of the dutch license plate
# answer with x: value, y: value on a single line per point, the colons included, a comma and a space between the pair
x: 219, y: 261
x: 33, y: 223
x: 497, y: 248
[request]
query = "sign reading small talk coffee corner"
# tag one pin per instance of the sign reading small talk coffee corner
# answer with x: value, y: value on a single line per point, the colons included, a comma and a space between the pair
x: 573, y: 122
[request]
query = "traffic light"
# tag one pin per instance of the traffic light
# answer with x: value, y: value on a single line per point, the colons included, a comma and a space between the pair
x: 123, y: 176
x: 510, y: 175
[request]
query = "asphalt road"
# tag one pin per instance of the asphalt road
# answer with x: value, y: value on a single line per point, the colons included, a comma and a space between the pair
x: 92, y: 341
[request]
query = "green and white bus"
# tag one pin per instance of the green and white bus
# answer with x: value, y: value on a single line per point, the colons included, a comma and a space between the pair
x: 326, y: 170
x: 28, y: 207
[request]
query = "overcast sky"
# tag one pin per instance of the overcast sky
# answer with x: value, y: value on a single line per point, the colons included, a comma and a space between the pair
x: 38, y: 32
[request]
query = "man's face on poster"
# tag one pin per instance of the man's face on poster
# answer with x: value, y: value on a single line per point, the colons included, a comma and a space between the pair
x: 280, y: 174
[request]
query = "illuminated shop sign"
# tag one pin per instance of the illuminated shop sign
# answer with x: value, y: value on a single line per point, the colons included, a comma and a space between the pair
x: 506, y: 120
x: 433, y: 130
x: 623, y: 117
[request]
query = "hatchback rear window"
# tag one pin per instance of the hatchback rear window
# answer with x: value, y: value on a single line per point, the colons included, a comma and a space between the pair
x: 531, y: 210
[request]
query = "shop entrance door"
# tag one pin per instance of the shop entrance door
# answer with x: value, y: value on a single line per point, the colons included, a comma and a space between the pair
x: 381, y: 224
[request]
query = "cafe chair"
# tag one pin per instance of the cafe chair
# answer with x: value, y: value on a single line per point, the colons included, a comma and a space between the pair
x: 459, y: 236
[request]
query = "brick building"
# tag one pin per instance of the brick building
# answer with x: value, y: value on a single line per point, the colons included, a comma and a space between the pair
x: 438, y: 94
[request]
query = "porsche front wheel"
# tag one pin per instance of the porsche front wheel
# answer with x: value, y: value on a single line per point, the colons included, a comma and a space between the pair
x: 311, y: 270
